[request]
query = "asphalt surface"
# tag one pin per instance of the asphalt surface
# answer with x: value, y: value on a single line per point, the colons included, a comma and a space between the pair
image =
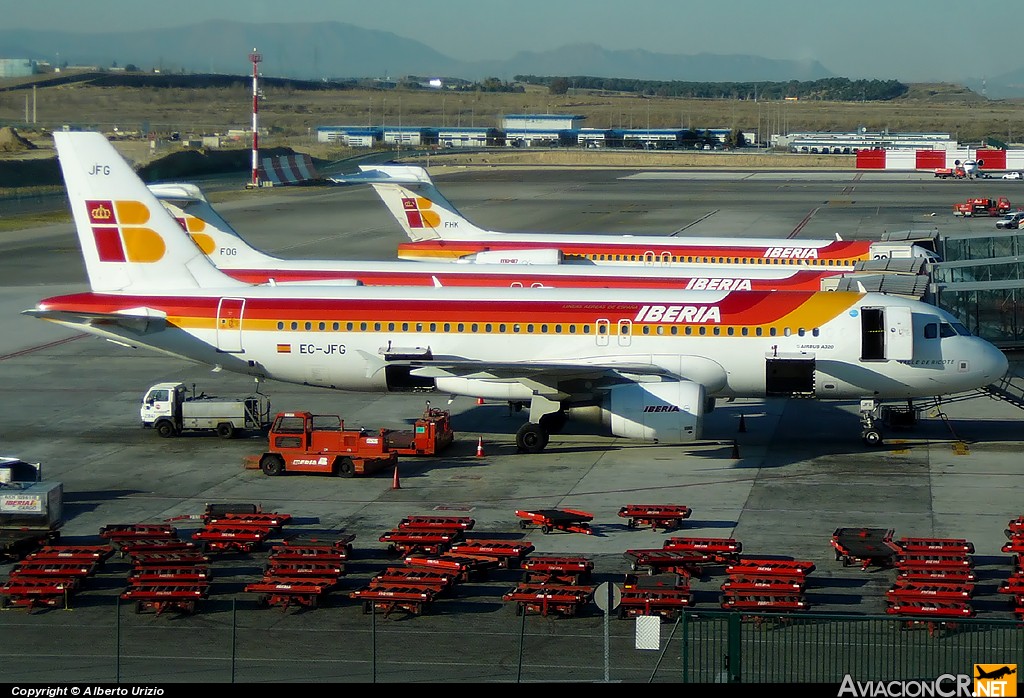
x: 777, y: 475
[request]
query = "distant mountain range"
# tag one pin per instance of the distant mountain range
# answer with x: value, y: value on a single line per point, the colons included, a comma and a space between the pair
x: 312, y: 51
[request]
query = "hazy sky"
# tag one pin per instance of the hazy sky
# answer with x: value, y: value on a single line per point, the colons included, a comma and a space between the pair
x: 909, y: 40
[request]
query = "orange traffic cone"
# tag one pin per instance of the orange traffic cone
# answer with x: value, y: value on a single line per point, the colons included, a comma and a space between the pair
x: 479, y: 401
x: 480, y: 447
x: 395, y: 485
x: 743, y: 424
x: 735, y: 450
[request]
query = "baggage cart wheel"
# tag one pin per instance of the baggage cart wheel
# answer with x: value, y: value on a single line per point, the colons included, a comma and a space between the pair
x: 631, y: 523
x: 622, y: 612
x: 523, y: 524
x: 545, y: 528
x: 519, y: 609
x: 140, y: 606
x: 367, y: 607
x: 344, y: 467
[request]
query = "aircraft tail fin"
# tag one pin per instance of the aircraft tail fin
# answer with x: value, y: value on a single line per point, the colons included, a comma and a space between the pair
x: 129, y: 240
x: 207, y: 228
x: 422, y: 211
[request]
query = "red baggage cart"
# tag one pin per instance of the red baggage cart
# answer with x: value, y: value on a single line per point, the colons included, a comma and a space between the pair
x: 665, y: 516
x: 547, y: 599
x: 553, y: 569
x: 548, y: 520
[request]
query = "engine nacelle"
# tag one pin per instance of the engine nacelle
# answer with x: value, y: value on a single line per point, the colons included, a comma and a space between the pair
x: 552, y: 256
x: 666, y: 412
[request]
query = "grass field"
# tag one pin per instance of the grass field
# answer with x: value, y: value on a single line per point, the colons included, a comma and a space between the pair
x: 291, y: 116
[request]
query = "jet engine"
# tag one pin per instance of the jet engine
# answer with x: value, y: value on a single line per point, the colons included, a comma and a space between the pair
x: 665, y: 412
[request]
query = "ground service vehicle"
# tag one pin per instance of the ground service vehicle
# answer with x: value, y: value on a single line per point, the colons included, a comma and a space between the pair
x: 168, y: 408
x: 431, y: 434
x: 951, y: 173
x: 1013, y: 175
x: 31, y: 511
x: 1011, y: 221
x: 302, y: 442
x: 982, y: 206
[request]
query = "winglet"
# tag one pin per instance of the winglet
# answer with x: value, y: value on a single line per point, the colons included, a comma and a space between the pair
x: 418, y: 206
x: 129, y: 241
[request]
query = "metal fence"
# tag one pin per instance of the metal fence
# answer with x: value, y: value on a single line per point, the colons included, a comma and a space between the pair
x: 234, y: 642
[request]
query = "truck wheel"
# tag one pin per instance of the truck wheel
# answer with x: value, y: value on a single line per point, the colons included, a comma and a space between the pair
x: 344, y: 467
x: 271, y: 465
x: 226, y: 430
x: 166, y: 429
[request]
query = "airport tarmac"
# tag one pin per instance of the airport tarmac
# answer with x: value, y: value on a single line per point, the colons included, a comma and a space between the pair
x: 777, y: 475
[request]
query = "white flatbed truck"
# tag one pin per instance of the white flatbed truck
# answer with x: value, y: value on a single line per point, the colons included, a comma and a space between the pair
x: 171, y: 410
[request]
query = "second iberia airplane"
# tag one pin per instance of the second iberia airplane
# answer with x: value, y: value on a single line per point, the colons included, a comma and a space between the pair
x: 643, y: 364
x: 440, y: 233
x: 240, y: 260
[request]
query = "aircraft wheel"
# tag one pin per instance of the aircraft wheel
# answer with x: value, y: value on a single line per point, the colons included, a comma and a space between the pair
x: 872, y: 437
x: 531, y: 438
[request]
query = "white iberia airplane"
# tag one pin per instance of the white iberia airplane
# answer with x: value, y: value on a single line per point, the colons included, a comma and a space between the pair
x: 439, y: 232
x: 240, y: 260
x: 641, y: 363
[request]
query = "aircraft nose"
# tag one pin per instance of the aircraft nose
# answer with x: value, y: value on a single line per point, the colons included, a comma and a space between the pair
x: 992, y: 364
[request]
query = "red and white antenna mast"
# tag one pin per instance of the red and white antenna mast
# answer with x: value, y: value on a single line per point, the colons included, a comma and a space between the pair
x: 255, y: 57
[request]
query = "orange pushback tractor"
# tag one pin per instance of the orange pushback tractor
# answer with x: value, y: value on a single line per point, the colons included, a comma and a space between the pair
x: 302, y: 442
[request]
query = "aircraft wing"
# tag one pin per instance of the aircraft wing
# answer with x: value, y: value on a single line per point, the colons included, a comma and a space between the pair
x: 552, y: 380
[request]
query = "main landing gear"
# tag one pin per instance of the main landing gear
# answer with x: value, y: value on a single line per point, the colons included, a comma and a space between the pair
x: 533, y: 436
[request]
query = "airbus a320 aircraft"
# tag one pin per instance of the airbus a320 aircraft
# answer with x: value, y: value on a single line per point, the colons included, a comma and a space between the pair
x: 643, y: 364
x: 440, y: 233
x: 239, y: 260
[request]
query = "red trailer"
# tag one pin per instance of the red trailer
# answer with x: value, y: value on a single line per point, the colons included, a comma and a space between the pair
x: 720, y: 549
x: 32, y: 593
x: 765, y: 567
x: 465, y: 567
x: 548, y: 520
x: 275, y: 591
x: 957, y: 546
x: 546, y: 599
x: 242, y: 539
x: 406, y: 541
x: 865, y: 547
x: 509, y: 554
x: 444, y: 523
x: 160, y: 597
x: 665, y: 516
x: 390, y: 598
x: 551, y: 569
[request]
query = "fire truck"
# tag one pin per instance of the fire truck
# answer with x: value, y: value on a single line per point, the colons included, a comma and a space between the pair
x: 982, y: 206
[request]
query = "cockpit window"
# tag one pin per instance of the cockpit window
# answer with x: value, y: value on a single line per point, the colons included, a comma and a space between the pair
x: 961, y: 329
x: 931, y: 330
x: 947, y: 329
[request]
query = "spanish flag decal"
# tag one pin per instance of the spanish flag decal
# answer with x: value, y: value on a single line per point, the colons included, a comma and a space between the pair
x: 284, y: 348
